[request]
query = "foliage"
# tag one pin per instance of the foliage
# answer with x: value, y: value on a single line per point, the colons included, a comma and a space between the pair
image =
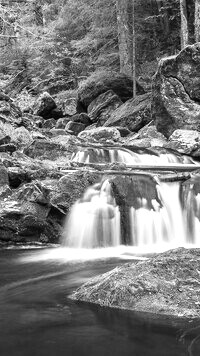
x: 49, y: 39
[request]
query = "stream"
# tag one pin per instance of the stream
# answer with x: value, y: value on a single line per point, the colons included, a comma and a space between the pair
x: 38, y: 319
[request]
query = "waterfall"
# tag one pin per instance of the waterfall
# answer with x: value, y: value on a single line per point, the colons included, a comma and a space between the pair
x: 129, y: 156
x: 156, y: 215
x: 138, y: 210
x: 94, y: 220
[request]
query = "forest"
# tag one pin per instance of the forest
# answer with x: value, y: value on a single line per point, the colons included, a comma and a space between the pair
x: 100, y: 177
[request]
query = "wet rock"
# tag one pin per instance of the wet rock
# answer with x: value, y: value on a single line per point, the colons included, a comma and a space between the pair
x: 100, y: 134
x: 102, y: 107
x: 165, y: 284
x: 49, y: 124
x: 100, y: 83
x: 44, y: 105
x: 176, y: 94
x: 129, y: 192
x: 134, y: 114
x: 75, y: 127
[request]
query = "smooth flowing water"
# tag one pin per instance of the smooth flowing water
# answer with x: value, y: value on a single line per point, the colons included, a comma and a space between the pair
x: 129, y: 156
x: 154, y: 216
x: 38, y: 319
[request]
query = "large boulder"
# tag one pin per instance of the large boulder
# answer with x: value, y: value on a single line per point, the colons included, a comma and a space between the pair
x: 134, y: 114
x: 176, y: 92
x: 102, y: 107
x: 165, y: 285
x: 101, y: 82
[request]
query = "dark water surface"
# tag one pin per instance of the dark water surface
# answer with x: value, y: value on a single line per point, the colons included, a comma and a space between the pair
x: 38, y: 319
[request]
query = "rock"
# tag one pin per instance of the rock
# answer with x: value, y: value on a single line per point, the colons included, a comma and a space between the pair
x: 9, y: 112
x: 75, y: 127
x: 123, y: 131
x: 83, y: 118
x: 22, y: 221
x: 10, y: 147
x: 69, y: 106
x: 176, y: 93
x: 101, y: 82
x: 70, y: 188
x: 148, y: 136
x: 163, y: 285
x: 100, y: 134
x: 102, y: 107
x: 4, y: 139
x: 52, y: 150
x: 134, y: 114
x: 185, y: 141
x: 16, y: 176
x: 32, y: 122
x: 62, y: 122
x: 57, y: 132
x: 22, y: 136
x: 3, y: 176
x: 44, y: 105
x: 49, y: 124
x: 56, y: 113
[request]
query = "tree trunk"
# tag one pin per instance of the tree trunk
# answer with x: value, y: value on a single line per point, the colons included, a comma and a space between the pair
x: 133, y: 53
x: 197, y: 21
x: 184, y: 24
x: 126, y: 37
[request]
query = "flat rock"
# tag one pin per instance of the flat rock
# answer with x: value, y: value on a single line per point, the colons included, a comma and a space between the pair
x: 168, y: 284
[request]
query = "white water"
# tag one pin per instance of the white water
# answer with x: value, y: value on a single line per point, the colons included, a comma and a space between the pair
x: 97, y: 155
x: 94, y: 222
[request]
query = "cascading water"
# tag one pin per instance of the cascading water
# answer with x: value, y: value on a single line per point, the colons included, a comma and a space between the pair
x: 139, y: 211
x: 94, y: 220
x: 127, y: 156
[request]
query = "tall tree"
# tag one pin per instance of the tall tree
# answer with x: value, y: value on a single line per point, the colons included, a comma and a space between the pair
x: 126, y: 37
x: 197, y: 21
x: 184, y: 24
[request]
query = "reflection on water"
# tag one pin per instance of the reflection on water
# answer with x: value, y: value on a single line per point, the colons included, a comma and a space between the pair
x: 38, y: 319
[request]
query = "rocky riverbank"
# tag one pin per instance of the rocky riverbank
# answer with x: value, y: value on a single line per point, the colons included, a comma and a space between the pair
x: 167, y: 284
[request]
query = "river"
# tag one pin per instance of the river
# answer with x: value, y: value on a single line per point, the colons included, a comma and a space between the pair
x: 38, y: 319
